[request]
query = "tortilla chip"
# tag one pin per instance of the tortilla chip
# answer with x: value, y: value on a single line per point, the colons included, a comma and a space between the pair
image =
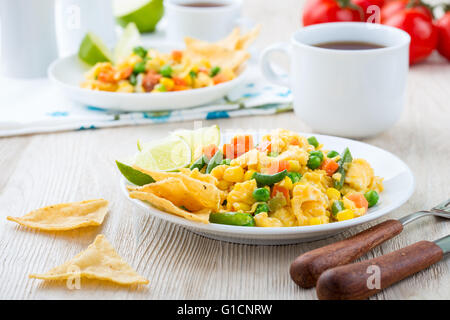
x: 228, y: 53
x: 196, y: 174
x: 65, y: 216
x: 205, y: 193
x: 99, y: 261
x: 174, y: 190
x: 167, y: 206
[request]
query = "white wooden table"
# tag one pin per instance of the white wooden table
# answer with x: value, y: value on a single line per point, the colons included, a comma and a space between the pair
x: 53, y: 168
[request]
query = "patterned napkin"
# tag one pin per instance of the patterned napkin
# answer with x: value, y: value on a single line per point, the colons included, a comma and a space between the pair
x: 36, y: 106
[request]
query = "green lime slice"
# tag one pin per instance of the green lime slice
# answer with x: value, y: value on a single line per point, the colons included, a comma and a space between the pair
x: 200, y: 137
x: 133, y: 175
x: 168, y: 154
x: 129, y: 39
x: 144, y: 13
x: 93, y: 50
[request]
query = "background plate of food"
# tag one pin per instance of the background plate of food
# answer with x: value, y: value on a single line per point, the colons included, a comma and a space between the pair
x: 269, y: 188
x: 165, y: 76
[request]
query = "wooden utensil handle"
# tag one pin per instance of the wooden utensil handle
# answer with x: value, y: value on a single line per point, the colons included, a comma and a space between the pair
x: 306, y: 269
x: 363, y: 279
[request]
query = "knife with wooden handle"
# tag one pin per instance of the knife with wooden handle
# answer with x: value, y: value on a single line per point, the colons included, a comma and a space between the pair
x: 306, y: 268
x: 363, y: 279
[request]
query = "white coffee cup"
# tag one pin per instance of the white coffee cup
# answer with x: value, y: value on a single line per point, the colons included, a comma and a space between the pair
x: 350, y: 93
x: 204, y: 23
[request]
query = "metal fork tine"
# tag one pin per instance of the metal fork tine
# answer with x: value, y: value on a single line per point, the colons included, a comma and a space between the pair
x: 444, y: 206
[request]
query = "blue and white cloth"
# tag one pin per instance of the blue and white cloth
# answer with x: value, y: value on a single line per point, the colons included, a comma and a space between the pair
x: 36, y: 106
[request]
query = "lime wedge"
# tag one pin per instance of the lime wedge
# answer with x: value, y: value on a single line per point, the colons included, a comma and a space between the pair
x: 165, y: 155
x: 198, y: 138
x: 144, y: 13
x: 129, y: 39
x: 93, y: 50
x: 133, y: 175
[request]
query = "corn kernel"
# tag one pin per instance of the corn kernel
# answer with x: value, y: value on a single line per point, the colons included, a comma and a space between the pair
x: 287, y: 183
x: 218, y: 171
x: 167, y: 82
x: 224, y: 185
x: 346, y: 214
x: 315, y: 221
x: 294, y: 165
x: 333, y: 194
x: 240, y: 206
x: 249, y: 174
x: 234, y: 174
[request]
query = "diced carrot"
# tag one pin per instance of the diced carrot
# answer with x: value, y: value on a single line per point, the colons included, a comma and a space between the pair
x: 278, y: 166
x: 179, y: 88
x: 294, y: 141
x: 228, y: 151
x: 264, y: 146
x: 283, y: 190
x: 220, y: 78
x: 178, y: 81
x: 330, y: 166
x: 210, y: 150
x: 107, y: 75
x: 359, y: 200
x: 177, y: 55
x: 242, y: 143
x: 125, y: 73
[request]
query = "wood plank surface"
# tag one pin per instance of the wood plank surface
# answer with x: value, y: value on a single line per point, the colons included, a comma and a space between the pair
x: 39, y: 170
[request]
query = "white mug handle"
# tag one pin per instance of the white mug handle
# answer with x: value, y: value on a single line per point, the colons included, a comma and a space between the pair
x: 266, y: 66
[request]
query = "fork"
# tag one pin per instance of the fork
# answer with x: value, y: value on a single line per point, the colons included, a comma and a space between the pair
x: 306, y: 268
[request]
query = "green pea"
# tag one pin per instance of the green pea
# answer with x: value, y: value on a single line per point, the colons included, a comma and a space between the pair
x: 139, y: 67
x: 214, y: 71
x: 160, y: 87
x: 262, y: 207
x: 166, y: 71
x: 332, y: 154
x: 313, y: 141
x: 336, y: 207
x: 295, y: 176
x: 261, y: 194
x: 314, y: 162
x: 192, y: 74
x: 133, y: 79
x: 317, y: 153
x: 372, y: 197
x: 140, y: 51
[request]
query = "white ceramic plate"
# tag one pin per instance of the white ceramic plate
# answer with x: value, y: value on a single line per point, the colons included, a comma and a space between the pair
x: 398, y: 183
x: 67, y: 73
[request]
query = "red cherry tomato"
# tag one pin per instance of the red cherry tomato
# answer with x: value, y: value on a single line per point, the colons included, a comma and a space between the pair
x: 364, y: 4
x: 321, y: 11
x: 424, y: 35
x: 443, y: 27
x: 395, y: 6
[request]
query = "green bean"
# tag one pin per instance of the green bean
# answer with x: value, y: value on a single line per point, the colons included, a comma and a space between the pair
x: 214, y: 71
x: 199, y: 163
x: 232, y: 218
x: 332, y: 154
x: 336, y: 207
x: 269, y: 179
x: 345, y: 159
x: 215, y: 161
